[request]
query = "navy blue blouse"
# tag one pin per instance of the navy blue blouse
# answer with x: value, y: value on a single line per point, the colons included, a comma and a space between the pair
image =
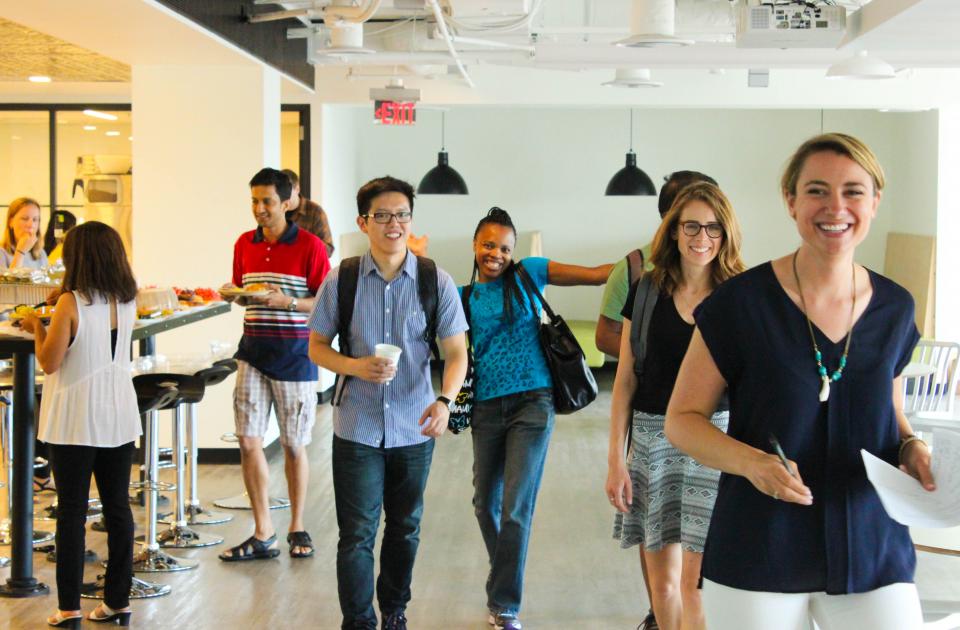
x: 844, y: 542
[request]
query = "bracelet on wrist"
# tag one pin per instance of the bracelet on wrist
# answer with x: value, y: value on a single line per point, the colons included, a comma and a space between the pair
x: 904, y: 442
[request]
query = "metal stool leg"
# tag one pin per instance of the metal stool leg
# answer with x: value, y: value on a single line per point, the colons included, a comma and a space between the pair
x: 6, y: 436
x: 196, y: 513
x: 4, y: 561
x: 242, y: 501
x: 179, y: 535
x: 151, y: 559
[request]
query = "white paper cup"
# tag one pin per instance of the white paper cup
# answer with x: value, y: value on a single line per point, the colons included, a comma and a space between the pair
x: 388, y: 351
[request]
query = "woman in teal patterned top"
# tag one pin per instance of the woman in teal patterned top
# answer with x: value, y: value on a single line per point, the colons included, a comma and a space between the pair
x: 514, y: 413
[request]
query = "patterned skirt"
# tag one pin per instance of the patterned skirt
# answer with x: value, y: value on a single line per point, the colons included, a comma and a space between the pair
x: 673, y: 494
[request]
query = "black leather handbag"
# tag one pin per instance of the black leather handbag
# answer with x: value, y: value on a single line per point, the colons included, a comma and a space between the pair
x: 573, y: 384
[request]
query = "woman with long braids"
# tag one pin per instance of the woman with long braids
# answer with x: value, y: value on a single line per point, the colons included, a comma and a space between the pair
x: 513, y: 414
x: 664, y: 499
x: 810, y: 347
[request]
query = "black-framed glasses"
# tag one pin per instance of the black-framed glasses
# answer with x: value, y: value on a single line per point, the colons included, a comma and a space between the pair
x: 692, y: 228
x: 404, y: 216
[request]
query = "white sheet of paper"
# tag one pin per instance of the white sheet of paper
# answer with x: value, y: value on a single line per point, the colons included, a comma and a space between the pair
x: 904, y: 498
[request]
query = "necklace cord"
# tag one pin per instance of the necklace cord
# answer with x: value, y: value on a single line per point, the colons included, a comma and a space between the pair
x: 853, y: 306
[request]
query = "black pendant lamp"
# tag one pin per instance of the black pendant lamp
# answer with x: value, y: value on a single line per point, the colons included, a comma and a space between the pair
x: 630, y: 180
x: 442, y: 179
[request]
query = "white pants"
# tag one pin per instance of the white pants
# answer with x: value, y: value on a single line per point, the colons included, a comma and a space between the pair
x: 893, y: 607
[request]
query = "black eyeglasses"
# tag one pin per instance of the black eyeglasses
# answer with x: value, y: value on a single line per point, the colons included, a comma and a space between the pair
x: 403, y: 216
x: 692, y: 228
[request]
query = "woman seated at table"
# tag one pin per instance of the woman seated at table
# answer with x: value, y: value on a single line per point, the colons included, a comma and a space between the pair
x: 89, y: 414
x: 810, y: 348
x: 22, y: 247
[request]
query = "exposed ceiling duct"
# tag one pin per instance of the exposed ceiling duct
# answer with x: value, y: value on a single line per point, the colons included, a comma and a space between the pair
x: 344, y: 22
x: 653, y: 24
x: 632, y: 78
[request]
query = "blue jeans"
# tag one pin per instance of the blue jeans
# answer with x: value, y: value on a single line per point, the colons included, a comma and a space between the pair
x: 510, y: 438
x: 365, y: 480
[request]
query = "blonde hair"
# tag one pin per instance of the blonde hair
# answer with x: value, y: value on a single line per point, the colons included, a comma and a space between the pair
x: 9, y: 241
x: 839, y: 143
x: 666, y: 274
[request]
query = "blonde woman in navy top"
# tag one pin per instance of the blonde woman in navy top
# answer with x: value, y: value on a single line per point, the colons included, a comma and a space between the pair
x: 810, y: 348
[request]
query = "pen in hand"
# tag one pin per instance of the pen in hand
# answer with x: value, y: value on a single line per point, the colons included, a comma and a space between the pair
x: 775, y: 443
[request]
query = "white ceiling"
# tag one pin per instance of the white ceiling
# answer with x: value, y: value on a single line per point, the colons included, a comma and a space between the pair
x: 572, y: 34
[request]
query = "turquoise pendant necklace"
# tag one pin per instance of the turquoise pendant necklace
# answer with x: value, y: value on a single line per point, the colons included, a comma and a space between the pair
x: 825, y: 376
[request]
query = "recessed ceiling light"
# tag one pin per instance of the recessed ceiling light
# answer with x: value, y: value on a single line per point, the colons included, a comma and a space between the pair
x: 89, y: 127
x: 130, y: 138
x: 96, y: 114
x: 14, y: 137
x: 38, y: 78
x: 113, y: 133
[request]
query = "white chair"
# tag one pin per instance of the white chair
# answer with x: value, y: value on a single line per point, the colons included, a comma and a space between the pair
x: 936, y: 391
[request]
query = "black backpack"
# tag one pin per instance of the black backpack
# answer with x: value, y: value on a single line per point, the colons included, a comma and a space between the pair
x: 428, y: 289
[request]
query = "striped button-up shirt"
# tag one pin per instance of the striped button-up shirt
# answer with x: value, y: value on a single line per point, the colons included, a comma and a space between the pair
x: 387, y: 312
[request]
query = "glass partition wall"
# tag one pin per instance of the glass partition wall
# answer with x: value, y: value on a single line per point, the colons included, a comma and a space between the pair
x: 77, y: 159
x: 72, y: 158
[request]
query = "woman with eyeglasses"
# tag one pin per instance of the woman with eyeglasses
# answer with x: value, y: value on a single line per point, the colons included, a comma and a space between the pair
x: 663, y: 498
x: 513, y: 412
x: 810, y: 347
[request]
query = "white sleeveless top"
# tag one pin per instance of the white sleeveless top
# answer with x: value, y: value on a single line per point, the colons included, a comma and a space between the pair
x: 90, y: 400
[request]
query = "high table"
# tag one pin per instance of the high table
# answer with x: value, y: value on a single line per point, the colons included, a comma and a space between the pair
x: 21, y: 582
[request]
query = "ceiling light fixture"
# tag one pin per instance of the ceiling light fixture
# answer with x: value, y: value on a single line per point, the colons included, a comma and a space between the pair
x: 632, y: 78
x: 97, y: 114
x: 89, y: 127
x: 38, y: 78
x: 442, y: 179
x: 861, y: 66
x: 630, y: 180
x: 652, y: 25
x: 113, y: 133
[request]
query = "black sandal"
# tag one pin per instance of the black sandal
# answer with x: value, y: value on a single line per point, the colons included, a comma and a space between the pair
x: 302, y: 540
x: 251, y: 549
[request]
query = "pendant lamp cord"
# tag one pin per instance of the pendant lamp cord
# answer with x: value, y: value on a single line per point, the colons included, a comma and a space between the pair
x: 443, y: 131
x: 821, y: 122
x: 631, y: 130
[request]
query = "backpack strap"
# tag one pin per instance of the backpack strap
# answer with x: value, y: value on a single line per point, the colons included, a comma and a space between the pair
x: 643, y: 304
x: 428, y: 289
x: 347, y: 280
x: 635, y: 264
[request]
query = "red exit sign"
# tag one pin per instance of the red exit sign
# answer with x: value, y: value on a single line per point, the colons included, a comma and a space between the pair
x: 394, y: 113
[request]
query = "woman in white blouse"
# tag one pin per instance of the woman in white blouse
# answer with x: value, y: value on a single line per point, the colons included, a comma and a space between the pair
x: 89, y: 413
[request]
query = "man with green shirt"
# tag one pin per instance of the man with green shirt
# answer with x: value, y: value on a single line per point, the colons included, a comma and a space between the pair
x: 618, y: 284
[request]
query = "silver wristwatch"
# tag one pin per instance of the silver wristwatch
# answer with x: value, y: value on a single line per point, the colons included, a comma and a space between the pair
x: 292, y: 306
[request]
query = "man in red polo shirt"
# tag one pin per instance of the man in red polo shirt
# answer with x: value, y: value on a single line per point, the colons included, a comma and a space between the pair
x: 273, y: 366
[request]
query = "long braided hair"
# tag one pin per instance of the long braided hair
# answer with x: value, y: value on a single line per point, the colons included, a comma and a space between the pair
x: 511, y: 289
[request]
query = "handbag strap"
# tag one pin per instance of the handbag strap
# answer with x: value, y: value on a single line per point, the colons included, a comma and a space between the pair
x: 532, y: 288
x: 465, y: 301
x: 643, y: 305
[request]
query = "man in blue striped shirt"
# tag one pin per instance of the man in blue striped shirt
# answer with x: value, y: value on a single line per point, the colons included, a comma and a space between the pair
x: 388, y: 417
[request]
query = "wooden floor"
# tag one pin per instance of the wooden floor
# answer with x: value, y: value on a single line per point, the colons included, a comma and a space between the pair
x: 577, y: 577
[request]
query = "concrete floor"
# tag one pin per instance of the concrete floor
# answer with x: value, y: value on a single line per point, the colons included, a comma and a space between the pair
x: 577, y: 577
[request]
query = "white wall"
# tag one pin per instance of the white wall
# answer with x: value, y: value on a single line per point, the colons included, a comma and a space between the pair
x: 200, y: 133
x: 948, y: 226
x: 548, y: 167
